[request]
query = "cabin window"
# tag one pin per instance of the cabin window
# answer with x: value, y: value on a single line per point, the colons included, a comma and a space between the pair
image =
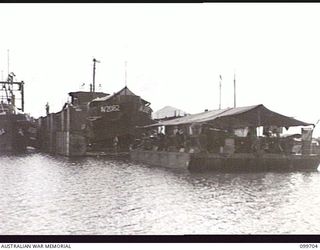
x: 194, y: 129
x: 161, y: 130
x: 241, y: 132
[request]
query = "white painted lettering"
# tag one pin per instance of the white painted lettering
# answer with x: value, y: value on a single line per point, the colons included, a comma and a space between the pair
x: 111, y: 108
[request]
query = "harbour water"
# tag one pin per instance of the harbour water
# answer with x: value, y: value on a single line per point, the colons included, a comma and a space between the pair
x: 42, y: 194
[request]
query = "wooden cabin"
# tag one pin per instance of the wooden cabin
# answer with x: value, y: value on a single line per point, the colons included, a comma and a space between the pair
x: 116, y: 118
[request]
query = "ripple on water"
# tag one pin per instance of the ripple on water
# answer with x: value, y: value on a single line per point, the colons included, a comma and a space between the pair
x: 41, y: 194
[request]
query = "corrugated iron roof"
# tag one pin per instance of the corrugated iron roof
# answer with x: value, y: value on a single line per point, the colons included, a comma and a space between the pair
x: 255, y: 115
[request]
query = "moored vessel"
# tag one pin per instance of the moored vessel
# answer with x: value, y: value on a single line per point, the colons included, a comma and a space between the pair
x: 113, y: 120
x: 95, y: 123
x: 16, y: 128
x: 233, y: 139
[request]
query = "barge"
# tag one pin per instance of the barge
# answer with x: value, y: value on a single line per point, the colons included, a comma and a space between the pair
x: 219, y: 162
x: 233, y: 139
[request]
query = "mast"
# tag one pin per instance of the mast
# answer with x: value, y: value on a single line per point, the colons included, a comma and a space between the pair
x: 125, y: 77
x: 22, y: 95
x: 94, y: 74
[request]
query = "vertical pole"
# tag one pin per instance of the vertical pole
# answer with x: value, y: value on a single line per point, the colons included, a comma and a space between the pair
x: 22, y: 96
x: 94, y: 75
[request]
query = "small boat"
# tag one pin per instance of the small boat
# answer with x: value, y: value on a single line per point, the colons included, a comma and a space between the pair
x: 233, y: 139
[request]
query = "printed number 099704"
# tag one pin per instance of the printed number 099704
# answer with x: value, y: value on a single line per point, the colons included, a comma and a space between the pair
x: 308, y: 245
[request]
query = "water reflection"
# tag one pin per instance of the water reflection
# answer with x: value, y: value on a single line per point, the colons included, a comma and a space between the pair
x: 41, y: 194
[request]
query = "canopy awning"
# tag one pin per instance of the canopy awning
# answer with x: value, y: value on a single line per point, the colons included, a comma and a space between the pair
x: 250, y: 116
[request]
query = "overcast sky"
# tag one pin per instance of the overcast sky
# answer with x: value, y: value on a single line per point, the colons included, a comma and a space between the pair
x: 175, y: 53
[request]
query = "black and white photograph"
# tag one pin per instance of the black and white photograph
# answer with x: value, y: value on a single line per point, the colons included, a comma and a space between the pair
x: 153, y: 119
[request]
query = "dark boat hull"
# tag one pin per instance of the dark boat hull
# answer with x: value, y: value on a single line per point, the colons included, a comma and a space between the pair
x: 252, y: 162
x: 161, y: 158
x: 221, y: 163
x: 117, y: 119
x: 13, y: 133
